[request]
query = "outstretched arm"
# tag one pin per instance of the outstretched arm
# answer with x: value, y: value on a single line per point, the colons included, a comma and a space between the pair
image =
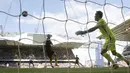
x: 87, y: 31
x: 91, y: 29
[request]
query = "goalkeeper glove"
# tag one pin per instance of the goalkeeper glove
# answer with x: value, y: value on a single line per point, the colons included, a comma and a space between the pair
x: 80, y: 32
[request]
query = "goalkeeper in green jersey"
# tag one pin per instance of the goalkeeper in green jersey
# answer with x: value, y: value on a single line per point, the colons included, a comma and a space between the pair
x: 109, y: 38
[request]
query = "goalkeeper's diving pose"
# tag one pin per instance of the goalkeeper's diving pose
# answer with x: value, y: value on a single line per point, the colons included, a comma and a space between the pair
x: 109, y: 39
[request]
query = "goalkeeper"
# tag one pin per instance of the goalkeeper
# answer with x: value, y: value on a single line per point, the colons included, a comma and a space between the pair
x: 49, y: 51
x: 109, y: 39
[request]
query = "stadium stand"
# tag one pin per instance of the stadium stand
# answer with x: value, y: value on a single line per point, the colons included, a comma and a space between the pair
x: 33, y: 44
x: 9, y: 55
x: 126, y: 52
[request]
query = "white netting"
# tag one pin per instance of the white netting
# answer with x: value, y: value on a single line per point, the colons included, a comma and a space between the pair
x: 76, y: 15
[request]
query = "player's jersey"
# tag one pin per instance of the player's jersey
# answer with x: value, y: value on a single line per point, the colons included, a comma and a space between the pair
x: 77, y: 59
x: 105, y: 30
x: 48, y: 43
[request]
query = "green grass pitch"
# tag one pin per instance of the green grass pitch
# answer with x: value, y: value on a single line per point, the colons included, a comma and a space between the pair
x: 63, y: 70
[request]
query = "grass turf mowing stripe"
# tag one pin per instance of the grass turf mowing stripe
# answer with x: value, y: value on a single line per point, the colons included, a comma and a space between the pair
x: 63, y: 70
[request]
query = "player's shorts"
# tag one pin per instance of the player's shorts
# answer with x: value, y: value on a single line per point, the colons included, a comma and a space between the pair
x: 76, y: 62
x: 109, y: 44
x: 30, y: 61
x: 49, y: 52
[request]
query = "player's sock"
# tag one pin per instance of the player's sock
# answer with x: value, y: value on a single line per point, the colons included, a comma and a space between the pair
x: 115, y: 66
x: 107, y: 56
x: 127, y: 62
x: 56, y: 64
x: 122, y: 58
x: 79, y: 65
x: 52, y: 66
x: 74, y: 65
x: 51, y: 62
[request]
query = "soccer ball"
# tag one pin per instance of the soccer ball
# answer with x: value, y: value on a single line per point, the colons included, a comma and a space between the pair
x: 24, y: 13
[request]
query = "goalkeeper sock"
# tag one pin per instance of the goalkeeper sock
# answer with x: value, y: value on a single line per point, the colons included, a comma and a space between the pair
x: 122, y: 58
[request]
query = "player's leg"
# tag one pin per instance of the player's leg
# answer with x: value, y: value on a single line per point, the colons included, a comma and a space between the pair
x: 120, y: 56
x: 50, y: 57
x: 107, y: 56
x: 49, y: 54
x: 78, y: 65
x: 56, y: 63
x: 33, y: 63
x: 18, y: 64
x: 113, y: 50
x: 104, y: 52
x: 108, y: 63
x: 74, y: 64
